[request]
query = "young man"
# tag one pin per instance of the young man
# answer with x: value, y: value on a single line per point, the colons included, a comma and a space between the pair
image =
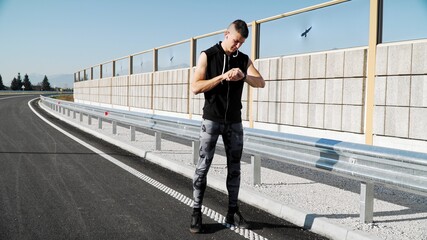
x: 220, y: 74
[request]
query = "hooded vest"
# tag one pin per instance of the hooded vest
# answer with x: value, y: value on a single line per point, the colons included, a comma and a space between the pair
x: 223, y: 103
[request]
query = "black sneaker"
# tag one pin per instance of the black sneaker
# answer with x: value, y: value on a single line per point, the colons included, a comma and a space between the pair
x: 237, y: 220
x: 196, y: 222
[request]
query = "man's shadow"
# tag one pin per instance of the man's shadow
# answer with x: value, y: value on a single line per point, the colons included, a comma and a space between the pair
x: 209, y: 228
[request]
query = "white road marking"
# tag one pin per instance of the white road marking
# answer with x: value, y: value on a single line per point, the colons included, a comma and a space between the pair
x: 3, y: 98
x: 246, y: 233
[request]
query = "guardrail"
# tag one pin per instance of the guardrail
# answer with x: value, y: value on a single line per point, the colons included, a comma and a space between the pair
x: 368, y: 164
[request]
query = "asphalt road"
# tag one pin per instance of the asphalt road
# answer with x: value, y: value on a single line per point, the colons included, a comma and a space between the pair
x: 52, y: 187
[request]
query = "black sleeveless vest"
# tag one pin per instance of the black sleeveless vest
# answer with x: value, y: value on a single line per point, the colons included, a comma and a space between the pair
x: 223, y: 103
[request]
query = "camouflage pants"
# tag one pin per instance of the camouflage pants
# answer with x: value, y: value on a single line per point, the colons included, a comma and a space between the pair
x: 232, y: 135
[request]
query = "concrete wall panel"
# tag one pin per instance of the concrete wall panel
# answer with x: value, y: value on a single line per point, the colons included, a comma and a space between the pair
x: 399, y: 59
x: 301, y: 91
x: 353, y: 91
x: 317, y: 91
x: 286, y: 113
x: 333, y: 117
x: 352, y: 118
x: 288, y: 68
x: 380, y: 90
x: 382, y: 60
x: 355, y: 63
x: 334, y: 91
x: 419, y: 58
x: 316, y: 113
x: 318, y: 65
x: 302, y: 67
x: 419, y: 91
x: 398, y: 90
x: 335, y: 64
x: 301, y: 114
x: 396, y: 121
x: 417, y: 124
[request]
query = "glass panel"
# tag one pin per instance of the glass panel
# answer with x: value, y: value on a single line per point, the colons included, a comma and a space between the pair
x: 96, y: 72
x: 340, y: 26
x: 174, y: 57
x: 107, y: 70
x: 404, y: 20
x: 122, y: 67
x: 143, y: 63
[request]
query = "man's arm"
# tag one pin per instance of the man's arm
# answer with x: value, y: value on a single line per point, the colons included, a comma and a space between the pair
x: 253, y: 77
x: 199, y: 84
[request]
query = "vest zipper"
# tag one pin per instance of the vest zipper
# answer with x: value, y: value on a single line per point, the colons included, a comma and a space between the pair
x: 228, y: 90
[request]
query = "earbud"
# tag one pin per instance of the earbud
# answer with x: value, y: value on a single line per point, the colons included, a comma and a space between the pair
x: 236, y: 53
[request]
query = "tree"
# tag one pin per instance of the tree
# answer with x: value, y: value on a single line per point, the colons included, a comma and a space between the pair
x: 19, y: 81
x: 2, y: 87
x: 27, y: 83
x: 14, y: 85
x: 45, y: 84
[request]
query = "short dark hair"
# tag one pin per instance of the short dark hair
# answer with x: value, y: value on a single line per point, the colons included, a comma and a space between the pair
x: 241, y: 27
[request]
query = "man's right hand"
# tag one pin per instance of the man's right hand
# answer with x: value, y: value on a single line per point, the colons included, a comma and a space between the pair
x: 234, y: 74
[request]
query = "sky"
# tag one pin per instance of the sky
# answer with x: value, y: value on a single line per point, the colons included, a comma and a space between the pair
x: 51, y: 37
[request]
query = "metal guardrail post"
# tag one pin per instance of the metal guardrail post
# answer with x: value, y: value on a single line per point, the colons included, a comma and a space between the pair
x: 366, y: 202
x: 89, y: 120
x: 158, y: 136
x: 114, y: 127
x: 81, y: 117
x: 99, y: 123
x: 132, y: 133
x: 195, y: 151
x: 74, y: 114
x: 256, y: 169
x: 68, y: 112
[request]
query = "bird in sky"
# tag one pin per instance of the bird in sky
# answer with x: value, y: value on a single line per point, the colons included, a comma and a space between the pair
x: 304, y: 34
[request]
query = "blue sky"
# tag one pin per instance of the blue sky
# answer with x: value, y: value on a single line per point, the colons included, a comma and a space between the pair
x: 51, y: 37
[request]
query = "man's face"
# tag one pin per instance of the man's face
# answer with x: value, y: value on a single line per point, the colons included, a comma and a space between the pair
x: 233, y: 40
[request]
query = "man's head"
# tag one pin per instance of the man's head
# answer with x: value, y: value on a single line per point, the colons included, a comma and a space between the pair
x: 235, y: 36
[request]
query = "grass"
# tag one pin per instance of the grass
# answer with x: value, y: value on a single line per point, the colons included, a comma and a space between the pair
x: 65, y: 97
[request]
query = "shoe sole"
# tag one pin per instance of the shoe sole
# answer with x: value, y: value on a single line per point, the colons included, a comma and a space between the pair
x: 242, y: 227
x: 192, y: 230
